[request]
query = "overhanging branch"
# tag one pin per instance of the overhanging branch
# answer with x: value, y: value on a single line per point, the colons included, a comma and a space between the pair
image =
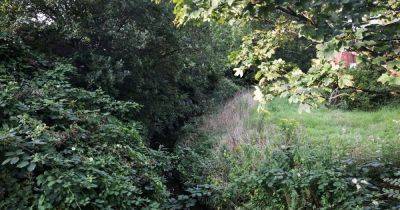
x: 298, y: 16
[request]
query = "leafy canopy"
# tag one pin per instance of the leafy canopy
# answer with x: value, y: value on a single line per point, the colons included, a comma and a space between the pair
x: 370, y: 28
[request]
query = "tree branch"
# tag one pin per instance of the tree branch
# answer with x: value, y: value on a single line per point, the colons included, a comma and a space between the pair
x: 300, y: 17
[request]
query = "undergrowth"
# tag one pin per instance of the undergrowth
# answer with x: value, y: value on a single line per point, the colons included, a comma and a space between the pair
x: 286, y: 160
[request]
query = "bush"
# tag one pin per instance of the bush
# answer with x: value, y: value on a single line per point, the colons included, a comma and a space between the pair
x: 224, y: 90
x: 367, y: 93
x: 130, y: 55
x: 302, y: 176
x: 66, y: 147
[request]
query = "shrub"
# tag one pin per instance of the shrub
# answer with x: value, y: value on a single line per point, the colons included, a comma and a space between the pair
x: 301, y: 176
x: 224, y: 90
x: 66, y: 147
x: 369, y: 94
x: 130, y: 55
x: 191, y: 197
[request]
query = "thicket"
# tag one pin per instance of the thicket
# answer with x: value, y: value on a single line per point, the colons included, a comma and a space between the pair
x: 87, y: 88
x: 63, y: 146
x: 132, y: 51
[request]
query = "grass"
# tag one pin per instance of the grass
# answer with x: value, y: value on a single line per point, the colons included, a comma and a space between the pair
x: 235, y: 146
x: 237, y: 131
x: 359, y: 134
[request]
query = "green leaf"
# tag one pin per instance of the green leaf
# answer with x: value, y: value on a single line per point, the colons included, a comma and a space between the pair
x: 396, y: 81
x: 19, y: 152
x: 345, y: 81
x: 6, y: 161
x: 22, y: 164
x: 384, y: 78
x: 51, y: 183
x: 10, y: 154
x: 32, y: 167
x: 393, y: 64
x: 14, y: 160
x: 214, y: 4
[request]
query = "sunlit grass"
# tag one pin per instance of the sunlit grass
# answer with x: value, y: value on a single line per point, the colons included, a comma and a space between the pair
x: 361, y: 135
x: 358, y: 134
x: 239, y: 139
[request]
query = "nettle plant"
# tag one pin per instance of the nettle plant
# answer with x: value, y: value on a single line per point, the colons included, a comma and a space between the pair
x: 369, y: 28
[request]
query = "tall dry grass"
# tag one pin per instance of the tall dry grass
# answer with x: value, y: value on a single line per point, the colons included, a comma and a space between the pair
x: 238, y: 136
x: 236, y: 124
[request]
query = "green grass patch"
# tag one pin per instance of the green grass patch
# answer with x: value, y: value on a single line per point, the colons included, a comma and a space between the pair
x: 361, y: 134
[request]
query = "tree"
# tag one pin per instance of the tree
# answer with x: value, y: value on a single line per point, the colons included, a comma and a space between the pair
x: 370, y: 28
x: 130, y: 49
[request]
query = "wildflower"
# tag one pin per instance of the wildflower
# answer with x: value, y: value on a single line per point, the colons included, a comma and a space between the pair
x: 375, y: 202
x: 90, y: 159
x: 73, y: 148
x: 354, y: 180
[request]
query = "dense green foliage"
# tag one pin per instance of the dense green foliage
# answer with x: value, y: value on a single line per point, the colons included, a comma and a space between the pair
x: 66, y: 147
x: 86, y: 87
x: 131, y: 50
x: 326, y: 159
x: 370, y: 28
x: 94, y: 95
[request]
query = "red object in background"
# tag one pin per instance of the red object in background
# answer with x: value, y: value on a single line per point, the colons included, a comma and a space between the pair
x: 348, y: 59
